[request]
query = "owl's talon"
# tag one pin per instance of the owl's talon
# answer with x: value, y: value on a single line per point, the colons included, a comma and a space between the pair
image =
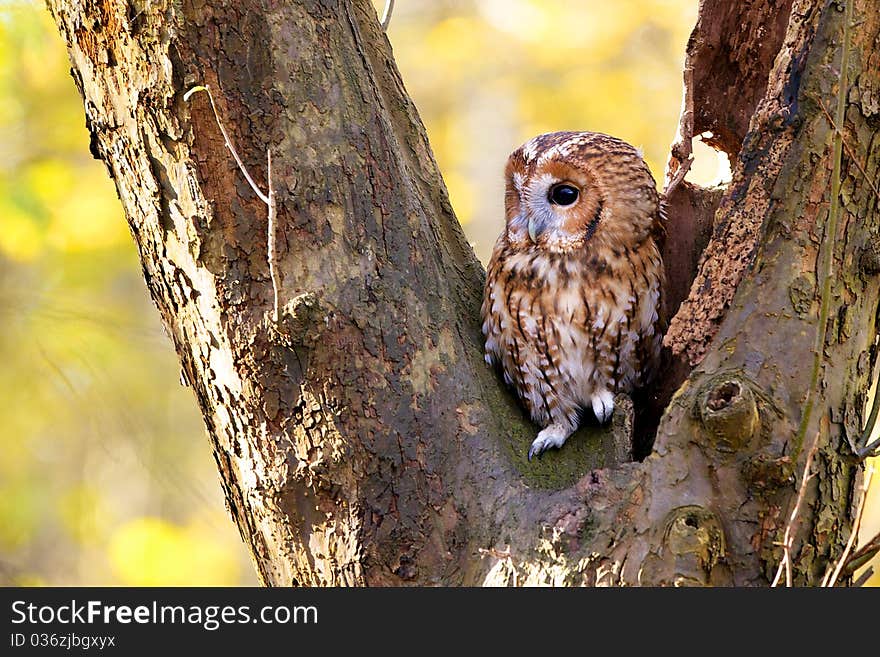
x: 553, y: 436
x: 603, y: 405
x: 536, y: 450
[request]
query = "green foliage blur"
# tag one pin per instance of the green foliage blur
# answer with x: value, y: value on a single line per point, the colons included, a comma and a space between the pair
x: 106, y: 476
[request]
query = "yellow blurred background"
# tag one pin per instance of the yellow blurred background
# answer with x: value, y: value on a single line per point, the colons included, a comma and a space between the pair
x: 106, y: 476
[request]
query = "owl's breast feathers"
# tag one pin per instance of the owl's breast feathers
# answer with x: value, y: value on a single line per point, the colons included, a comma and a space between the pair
x: 566, y: 326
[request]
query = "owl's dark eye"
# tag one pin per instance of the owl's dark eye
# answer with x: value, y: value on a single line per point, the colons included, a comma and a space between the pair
x: 563, y: 195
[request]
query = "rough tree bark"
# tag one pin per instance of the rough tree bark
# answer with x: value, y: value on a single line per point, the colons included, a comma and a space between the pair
x: 360, y: 438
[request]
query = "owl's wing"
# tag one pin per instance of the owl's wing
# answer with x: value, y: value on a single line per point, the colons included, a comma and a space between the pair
x: 490, y: 311
x: 652, y: 320
x: 658, y: 226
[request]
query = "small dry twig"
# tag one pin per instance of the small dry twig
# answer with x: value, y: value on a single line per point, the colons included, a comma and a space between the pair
x: 268, y: 199
x: 863, y: 578
x: 831, y: 578
x: 386, y: 14
x: 864, y: 449
x: 854, y: 533
x: 263, y: 197
x: 863, y: 555
x: 791, y: 528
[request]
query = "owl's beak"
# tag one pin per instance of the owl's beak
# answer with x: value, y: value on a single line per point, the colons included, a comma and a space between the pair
x: 535, y: 229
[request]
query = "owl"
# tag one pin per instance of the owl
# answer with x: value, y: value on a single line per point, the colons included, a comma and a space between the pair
x: 571, y: 307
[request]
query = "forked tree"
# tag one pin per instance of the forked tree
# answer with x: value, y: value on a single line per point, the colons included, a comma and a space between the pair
x: 325, y: 307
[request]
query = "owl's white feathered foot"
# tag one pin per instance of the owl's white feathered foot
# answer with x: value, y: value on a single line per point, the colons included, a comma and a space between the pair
x: 554, y: 435
x: 603, y: 405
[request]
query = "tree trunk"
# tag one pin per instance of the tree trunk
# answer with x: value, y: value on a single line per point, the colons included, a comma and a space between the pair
x: 359, y: 436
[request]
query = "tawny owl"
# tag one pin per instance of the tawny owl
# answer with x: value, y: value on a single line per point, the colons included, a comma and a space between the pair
x: 572, y: 300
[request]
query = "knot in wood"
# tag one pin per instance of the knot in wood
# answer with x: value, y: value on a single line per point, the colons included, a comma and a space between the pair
x: 729, y: 412
x: 299, y: 321
x: 695, y: 538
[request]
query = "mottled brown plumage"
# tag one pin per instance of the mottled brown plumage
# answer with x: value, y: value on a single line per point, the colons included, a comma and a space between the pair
x: 571, y: 306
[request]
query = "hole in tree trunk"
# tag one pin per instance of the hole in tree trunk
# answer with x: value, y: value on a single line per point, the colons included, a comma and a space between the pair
x: 722, y: 396
x: 711, y: 166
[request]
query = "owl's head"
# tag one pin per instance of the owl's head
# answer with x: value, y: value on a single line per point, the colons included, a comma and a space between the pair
x: 565, y: 190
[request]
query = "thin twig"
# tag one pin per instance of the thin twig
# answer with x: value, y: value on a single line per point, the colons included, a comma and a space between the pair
x: 855, y: 529
x: 386, y: 15
x: 864, y: 554
x: 263, y: 197
x: 869, y: 450
x: 863, y: 578
x: 268, y: 199
x: 272, y: 246
x: 865, y: 450
x: 791, y: 528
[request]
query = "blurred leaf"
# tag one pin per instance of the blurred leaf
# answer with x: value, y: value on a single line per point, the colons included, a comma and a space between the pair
x: 152, y: 552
